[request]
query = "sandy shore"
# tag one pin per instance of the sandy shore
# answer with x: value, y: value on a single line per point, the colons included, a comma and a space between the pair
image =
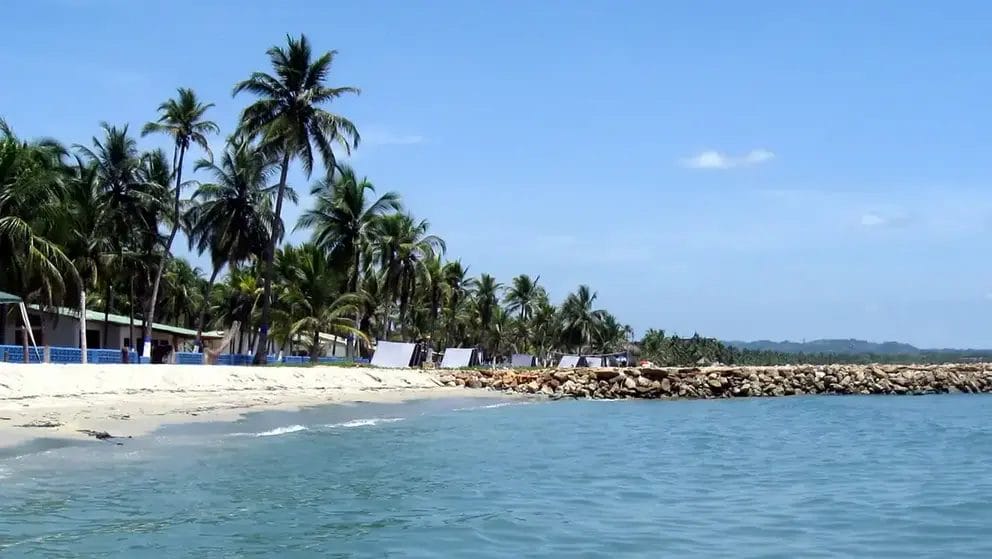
x: 131, y: 400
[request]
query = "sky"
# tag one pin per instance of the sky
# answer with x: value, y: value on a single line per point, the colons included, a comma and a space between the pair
x: 745, y: 170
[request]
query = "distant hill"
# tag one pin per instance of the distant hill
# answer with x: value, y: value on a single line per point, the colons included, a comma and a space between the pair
x: 846, y: 347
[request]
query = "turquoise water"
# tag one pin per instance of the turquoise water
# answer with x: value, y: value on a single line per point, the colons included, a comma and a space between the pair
x: 785, y: 477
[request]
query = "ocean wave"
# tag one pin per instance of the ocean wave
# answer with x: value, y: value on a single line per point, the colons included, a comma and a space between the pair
x: 493, y: 406
x: 281, y: 431
x: 365, y: 422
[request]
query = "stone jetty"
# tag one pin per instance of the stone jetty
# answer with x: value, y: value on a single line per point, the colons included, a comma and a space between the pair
x: 728, y: 381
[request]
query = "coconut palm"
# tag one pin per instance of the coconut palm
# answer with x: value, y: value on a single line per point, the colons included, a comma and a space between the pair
x: 183, y: 291
x: 580, y: 321
x: 31, y: 181
x: 314, y: 300
x: 487, y: 300
x: 402, y: 245
x: 183, y: 120
x: 289, y: 120
x: 343, y: 213
x: 231, y: 214
x: 524, y: 295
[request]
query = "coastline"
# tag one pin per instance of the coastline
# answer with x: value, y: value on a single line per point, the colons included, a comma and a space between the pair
x: 66, y: 401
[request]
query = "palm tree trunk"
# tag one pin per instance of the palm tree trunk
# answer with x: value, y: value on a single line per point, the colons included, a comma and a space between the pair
x: 150, y: 317
x: 130, y: 313
x: 203, y: 310
x: 82, y: 325
x: 108, y: 302
x: 261, y: 357
x: 315, y: 346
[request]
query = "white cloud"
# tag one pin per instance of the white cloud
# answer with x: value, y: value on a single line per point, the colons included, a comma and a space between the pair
x: 382, y: 137
x: 878, y: 221
x: 873, y: 220
x: 712, y: 159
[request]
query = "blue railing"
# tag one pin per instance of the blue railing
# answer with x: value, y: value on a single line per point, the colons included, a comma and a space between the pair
x: 65, y: 355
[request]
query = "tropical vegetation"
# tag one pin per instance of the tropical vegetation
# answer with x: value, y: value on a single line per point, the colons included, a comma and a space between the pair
x: 96, y: 225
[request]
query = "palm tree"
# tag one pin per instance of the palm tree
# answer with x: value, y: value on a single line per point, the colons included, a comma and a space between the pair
x: 117, y: 162
x: 182, y: 291
x: 580, y: 321
x: 457, y: 285
x: 343, y: 214
x: 182, y: 119
x: 289, y: 121
x: 524, y: 295
x: 31, y: 182
x: 402, y: 246
x: 314, y: 301
x: 230, y: 216
x: 487, y: 299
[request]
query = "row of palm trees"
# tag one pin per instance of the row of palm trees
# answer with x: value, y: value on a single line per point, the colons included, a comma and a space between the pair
x: 95, y: 225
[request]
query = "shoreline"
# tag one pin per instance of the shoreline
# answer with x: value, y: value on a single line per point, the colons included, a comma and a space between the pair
x: 76, y: 401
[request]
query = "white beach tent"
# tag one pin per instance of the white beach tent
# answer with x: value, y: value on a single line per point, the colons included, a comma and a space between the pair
x: 455, y: 357
x: 11, y: 299
x: 571, y: 362
x: 393, y: 355
x: 522, y: 360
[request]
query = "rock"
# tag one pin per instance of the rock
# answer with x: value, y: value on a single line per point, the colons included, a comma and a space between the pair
x: 474, y: 383
x: 629, y: 383
x: 99, y: 435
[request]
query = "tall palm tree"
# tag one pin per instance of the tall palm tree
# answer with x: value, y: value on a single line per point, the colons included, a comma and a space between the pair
x: 343, y: 213
x: 182, y: 119
x: 580, y: 321
x: 402, y: 245
x: 314, y: 301
x: 486, y: 300
x: 182, y: 292
x: 118, y: 166
x: 457, y: 286
x: 33, y: 266
x: 289, y: 120
x: 231, y: 214
x: 524, y: 295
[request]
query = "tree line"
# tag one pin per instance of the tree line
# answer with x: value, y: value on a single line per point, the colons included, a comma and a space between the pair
x: 672, y: 350
x: 94, y: 226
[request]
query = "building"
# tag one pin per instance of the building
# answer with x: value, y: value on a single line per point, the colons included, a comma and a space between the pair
x: 59, y: 327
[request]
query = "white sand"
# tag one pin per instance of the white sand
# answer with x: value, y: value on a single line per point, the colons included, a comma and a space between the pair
x: 131, y: 400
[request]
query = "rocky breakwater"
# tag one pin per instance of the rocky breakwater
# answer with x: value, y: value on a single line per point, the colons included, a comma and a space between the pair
x: 730, y: 382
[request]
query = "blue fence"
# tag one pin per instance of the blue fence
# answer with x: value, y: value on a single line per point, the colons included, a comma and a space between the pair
x: 65, y: 355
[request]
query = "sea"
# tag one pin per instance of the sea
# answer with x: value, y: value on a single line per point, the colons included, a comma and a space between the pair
x: 796, y: 477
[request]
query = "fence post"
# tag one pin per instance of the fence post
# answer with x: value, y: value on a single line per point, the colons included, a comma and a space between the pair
x: 47, y: 356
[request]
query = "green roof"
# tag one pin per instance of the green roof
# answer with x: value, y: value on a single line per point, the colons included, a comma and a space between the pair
x: 97, y: 316
x: 6, y: 298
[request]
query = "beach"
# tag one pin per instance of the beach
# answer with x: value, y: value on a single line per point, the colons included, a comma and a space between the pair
x: 131, y: 400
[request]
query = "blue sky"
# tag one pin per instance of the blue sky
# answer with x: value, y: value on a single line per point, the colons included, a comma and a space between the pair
x: 764, y: 169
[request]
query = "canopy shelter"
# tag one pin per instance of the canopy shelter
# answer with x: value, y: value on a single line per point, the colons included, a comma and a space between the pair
x: 11, y: 299
x: 455, y: 357
x: 522, y: 360
x: 393, y: 355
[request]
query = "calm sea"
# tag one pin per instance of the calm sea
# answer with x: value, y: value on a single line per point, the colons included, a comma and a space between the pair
x: 787, y: 477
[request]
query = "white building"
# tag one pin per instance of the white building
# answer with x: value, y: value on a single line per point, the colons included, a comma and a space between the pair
x: 59, y: 327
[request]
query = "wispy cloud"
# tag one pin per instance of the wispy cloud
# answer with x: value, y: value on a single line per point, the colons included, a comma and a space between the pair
x: 712, y: 159
x: 382, y: 137
x: 874, y: 220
